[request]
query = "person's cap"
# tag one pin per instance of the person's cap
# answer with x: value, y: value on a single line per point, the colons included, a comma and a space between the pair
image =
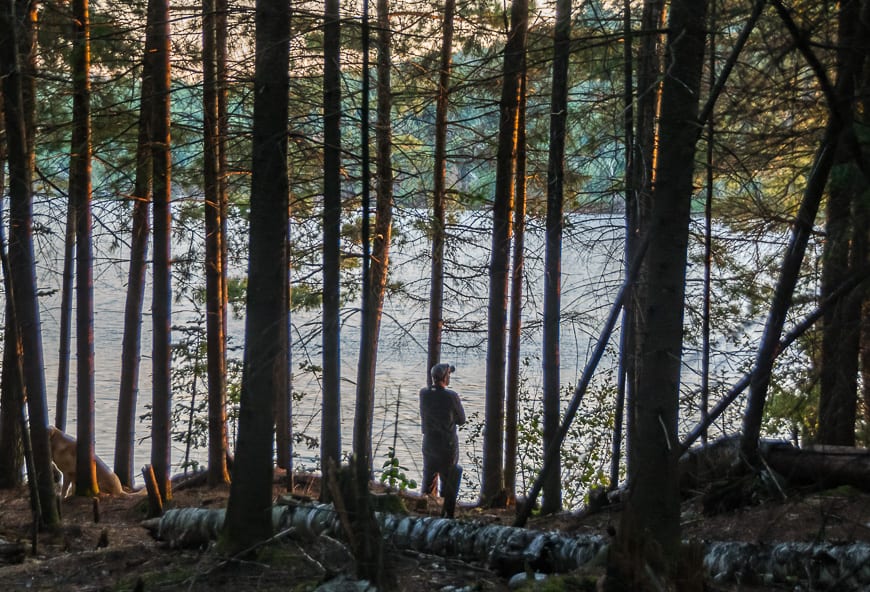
x: 440, y: 371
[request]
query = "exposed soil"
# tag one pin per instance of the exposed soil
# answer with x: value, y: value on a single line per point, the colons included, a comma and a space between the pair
x: 116, y: 553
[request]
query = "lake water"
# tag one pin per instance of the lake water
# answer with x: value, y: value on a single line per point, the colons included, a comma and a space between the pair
x: 592, y: 252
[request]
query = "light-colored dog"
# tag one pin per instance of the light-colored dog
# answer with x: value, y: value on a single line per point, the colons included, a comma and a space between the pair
x: 63, y: 453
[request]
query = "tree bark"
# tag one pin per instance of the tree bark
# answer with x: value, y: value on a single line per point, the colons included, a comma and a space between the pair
x: 802, y: 227
x: 553, y: 250
x: 368, y: 545
x: 11, y: 453
x: 838, y: 382
x: 492, y: 480
x: 330, y: 430
x: 65, y: 328
x: 214, y: 239
x: 380, y: 256
x: 161, y: 357
x: 514, y: 352
x: 11, y: 449
x: 640, y: 175
x: 439, y: 193
x: 22, y: 270
x: 652, y: 515
x: 131, y: 345
x: 264, y: 376
x: 80, y: 195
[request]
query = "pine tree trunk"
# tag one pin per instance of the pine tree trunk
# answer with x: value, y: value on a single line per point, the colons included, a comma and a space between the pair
x: 161, y: 357
x: 838, y: 382
x: 514, y: 352
x: 22, y: 270
x: 131, y: 347
x: 652, y: 516
x: 11, y: 453
x: 215, y: 303
x: 264, y: 375
x: 330, y: 431
x: 552, y: 491
x: 802, y: 228
x: 65, y: 328
x: 80, y: 195
x: 436, y: 282
x: 11, y: 449
x: 640, y: 180
x: 492, y: 479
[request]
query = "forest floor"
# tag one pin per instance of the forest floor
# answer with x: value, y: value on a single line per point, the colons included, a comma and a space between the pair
x: 117, y: 553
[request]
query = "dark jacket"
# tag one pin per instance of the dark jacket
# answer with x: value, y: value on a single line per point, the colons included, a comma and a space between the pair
x: 440, y: 412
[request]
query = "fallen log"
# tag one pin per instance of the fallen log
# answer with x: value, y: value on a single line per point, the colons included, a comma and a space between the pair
x: 817, y: 566
x: 821, y: 466
x: 505, y: 549
x: 12, y: 551
x: 509, y: 550
x: 824, y: 466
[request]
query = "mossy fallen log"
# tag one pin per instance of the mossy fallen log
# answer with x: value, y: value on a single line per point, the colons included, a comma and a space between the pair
x: 506, y: 549
x: 819, y: 466
x: 817, y: 566
x: 509, y: 550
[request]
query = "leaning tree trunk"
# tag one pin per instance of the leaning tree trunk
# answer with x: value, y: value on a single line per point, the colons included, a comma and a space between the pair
x: 838, y: 120
x: 65, y: 321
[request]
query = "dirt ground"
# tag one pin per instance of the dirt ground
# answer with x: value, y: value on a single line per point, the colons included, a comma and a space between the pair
x: 115, y: 552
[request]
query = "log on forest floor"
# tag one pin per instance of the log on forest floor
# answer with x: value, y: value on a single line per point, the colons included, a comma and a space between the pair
x: 509, y: 550
x: 818, y: 466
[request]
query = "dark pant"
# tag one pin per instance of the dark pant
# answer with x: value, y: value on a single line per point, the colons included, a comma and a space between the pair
x: 451, y: 476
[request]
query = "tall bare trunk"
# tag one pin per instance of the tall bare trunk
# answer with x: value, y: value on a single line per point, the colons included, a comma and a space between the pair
x: 248, y: 520
x: 802, y: 227
x: 640, y: 181
x: 553, y: 250
x: 379, y: 262
x: 65, y: 322
x: 11, y: 453
x: 161, y: 358
x: 215, y: 293
x: 492, y: 482
x: 80, y: 194
x: 652, y: 516
x: 330, y: 434
x: 436, y: 287
x: 512, y: 395
x: 844, y: 242
x: 18, y: 28
x: 131, y: 347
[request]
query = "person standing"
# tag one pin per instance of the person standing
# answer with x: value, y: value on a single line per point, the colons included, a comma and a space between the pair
x: 440, y: 412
